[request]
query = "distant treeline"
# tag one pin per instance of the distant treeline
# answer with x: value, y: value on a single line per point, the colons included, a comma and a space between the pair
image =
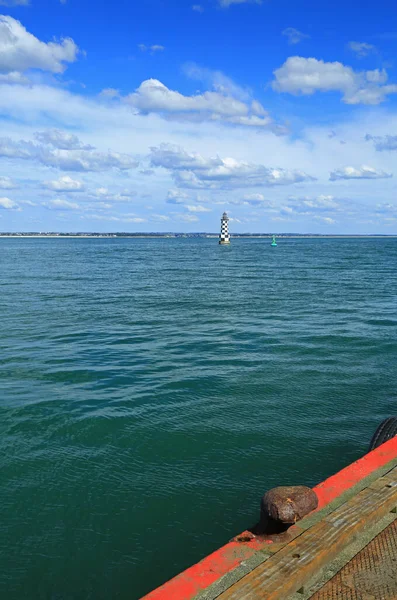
x: 122, y: 234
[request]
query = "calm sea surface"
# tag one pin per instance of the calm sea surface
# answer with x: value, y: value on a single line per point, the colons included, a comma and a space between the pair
x: 151, y: 390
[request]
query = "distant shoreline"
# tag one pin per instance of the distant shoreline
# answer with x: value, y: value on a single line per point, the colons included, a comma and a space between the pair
x: 194, y: 235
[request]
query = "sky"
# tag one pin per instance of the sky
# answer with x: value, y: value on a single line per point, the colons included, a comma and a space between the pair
x: 157, y: 116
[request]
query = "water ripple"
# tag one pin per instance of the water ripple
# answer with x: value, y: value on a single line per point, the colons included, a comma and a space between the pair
x: 153, y: 389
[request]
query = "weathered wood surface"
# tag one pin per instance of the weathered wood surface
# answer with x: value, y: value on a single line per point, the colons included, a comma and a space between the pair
x: 294, y: 565
x: 369, y: 575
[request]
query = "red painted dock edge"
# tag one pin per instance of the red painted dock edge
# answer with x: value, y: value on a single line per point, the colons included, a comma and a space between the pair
x: 201, y: 575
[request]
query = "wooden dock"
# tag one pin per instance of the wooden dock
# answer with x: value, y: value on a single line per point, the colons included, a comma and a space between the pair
x: 346, y: 549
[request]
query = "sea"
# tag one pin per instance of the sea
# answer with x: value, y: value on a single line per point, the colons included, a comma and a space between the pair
x: 151, y: 391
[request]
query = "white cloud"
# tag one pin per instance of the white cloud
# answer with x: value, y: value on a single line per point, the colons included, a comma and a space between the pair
x: 109, y: 93
x: 152, y: 49
x: 174, y: 157
x: 254, y: 197
x: 20, y: 50
x: 14, y: 77
x: 66, y: 160
x: 283, y: 219
x: 376, y: 76
x: 177, y: 197
x: 255, y: 121
x: 161, y: 218
x: 122, y: 218
x: 227, y: 3
x: 386, y: 209
x: 198, y: 8
x: 114, y: 124
x: 101, y: 193
x: 222, y: 84
x: 62, y: 205
x: 84, y: 160
x: 64, y: 184
x: 191, y: 170
x: 306, y: 76
x: 197, y: 208
x: 101, y: 205
x: 186, y: 218
x: 256, y: 200
x: 152, y: 96
x: 363, y: 172
x: 8, y: 204
x: 11, y: 149
x: 361, y: 49
x: 61, y: 140
x: 309, y: 205
x: 7, y: 184
x: 294, y: 35
x: 124, y: 195
x: 327, y: 220
x: 322, y: 208
x: 73, y: 111
x: 386, y: 142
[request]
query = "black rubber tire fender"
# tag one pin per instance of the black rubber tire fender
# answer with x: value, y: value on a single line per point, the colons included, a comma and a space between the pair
x: 386, y: 431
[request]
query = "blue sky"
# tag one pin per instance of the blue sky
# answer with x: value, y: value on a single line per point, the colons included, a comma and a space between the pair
x: 160, y: 115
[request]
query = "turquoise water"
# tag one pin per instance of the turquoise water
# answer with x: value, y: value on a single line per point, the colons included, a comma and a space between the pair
x: 153, y: 389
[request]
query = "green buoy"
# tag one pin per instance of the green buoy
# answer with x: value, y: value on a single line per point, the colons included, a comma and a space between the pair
x: 274, y: 243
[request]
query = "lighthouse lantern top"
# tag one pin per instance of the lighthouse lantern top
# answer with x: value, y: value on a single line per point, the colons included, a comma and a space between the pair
x: 225, y: 217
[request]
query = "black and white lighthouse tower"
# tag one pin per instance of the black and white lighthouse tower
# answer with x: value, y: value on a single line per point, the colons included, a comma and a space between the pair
x: 224, y: 237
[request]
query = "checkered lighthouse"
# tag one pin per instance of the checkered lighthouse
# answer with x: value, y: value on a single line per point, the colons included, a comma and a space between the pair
x: 224, y: 237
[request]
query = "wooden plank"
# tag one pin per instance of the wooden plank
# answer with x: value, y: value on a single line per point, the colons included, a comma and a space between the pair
x: 370, y: 574
x: 389, y: 479
x: 288, y: 570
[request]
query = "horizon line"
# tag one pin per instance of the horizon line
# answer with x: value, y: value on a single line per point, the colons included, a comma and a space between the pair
x: 183, y: 233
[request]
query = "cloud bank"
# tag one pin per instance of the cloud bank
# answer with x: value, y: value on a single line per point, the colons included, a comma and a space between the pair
x: 191, y: 170
x: 307, y: 76
x: 363, y: 172
x: 20, y: 50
